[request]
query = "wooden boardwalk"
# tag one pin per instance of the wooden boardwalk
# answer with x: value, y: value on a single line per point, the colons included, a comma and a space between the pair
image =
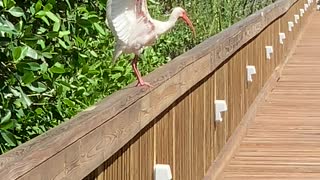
x: 283, y: 141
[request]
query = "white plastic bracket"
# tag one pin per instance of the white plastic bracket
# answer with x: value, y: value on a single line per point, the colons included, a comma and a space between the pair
x: 306, y: 7
x: 290, y: 25
x: 309, y: 2
x: 221, y: 106
x: 296, y: 18
x: 282, y: 36
x: 162, y: 172
x: 251, y: 70
x: 301, y: 12
x: 269, y: 51
x: 318, y: 7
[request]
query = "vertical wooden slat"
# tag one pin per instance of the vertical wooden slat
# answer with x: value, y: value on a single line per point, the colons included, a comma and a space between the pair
x: 198, y: 135
x: 231, y: 101
x: 243, y: 73
x: 183, y: 139
x: 164, y: 140
x: 147, y: 152
x: 134, y: 160
x: 99, y: 173
x: 209, y: 124
x: 251, y: 86
x: 245, y: 56
x: 220, y: 86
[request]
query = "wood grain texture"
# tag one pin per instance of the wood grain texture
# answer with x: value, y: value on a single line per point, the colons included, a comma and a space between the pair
x: 252, y: 131
x: 281, y: 141
x: 177, y: 130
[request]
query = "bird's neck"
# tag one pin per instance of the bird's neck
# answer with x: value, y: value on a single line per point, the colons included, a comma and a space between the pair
x: 163, y: 27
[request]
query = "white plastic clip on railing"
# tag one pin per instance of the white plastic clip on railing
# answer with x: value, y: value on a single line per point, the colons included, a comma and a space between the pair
x: 162, y: 172
x: 306, y: 7
x: 221, y: 106
x: 296, y: 18
x: 282, y: 36
x: 301, y: 12
x: 251, y: 70
x: 269, y: 51
x: 290, y: 25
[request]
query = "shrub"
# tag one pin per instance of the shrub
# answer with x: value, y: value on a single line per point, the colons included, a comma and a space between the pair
x: 56, y: 56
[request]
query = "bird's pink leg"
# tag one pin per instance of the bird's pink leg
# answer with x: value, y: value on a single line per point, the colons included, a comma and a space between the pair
x: 137, y: 73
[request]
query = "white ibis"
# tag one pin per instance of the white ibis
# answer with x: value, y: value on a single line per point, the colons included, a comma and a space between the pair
x: 134, y: 29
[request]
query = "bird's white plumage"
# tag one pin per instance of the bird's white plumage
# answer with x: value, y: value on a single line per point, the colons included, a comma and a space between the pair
x: 128, y: 21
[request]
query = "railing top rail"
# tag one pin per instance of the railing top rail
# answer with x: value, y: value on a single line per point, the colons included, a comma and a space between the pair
x: 123, y: 114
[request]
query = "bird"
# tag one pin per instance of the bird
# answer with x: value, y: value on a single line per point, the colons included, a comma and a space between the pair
x: 134, y: 29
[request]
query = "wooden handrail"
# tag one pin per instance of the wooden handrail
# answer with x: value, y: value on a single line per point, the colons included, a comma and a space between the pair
x: 95, y: 134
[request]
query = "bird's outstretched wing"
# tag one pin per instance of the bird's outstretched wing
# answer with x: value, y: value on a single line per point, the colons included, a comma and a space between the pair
x: 123, y: 16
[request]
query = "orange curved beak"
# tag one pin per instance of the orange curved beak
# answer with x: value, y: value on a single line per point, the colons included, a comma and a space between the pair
x: 189, y: 23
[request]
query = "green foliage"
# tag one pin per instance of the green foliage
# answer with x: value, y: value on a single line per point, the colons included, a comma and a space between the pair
x: 56, y: 56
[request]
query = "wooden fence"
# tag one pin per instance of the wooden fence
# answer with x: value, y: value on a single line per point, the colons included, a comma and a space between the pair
x: 125, y: 135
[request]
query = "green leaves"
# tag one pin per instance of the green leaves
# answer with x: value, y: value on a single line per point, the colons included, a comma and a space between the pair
x: 8, y: 3
x: 69, y: 102
x: 63, y: 33
x: 28, y: 77
x: 8, y: 137
x: 32, y: 53
x: 52, y: 16
x: 37, y: 87
x: 6, y: 26
x: 6, y: 122
x: 57, y: 68
x: 16, y: 11
x: 17, y: 53
x: 56, y: 57
x: 25, y: 100
x: 99, y: 28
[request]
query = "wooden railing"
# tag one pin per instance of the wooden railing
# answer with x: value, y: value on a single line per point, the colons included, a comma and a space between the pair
x: 126, y: 134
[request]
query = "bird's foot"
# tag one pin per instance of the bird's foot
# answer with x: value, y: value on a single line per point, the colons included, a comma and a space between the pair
x: 142, y: 83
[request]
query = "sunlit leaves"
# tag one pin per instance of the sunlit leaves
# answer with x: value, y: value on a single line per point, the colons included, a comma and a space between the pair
x: 6, y: 26
x: 8, y: 3
x: 99, y: 28
x: 37, y: 87
x: 28, y: 77
x: 63, y: 33
x: 57, y: 69
x: 16, y: 11
x: 17, y: 53
x: 52, y: 16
